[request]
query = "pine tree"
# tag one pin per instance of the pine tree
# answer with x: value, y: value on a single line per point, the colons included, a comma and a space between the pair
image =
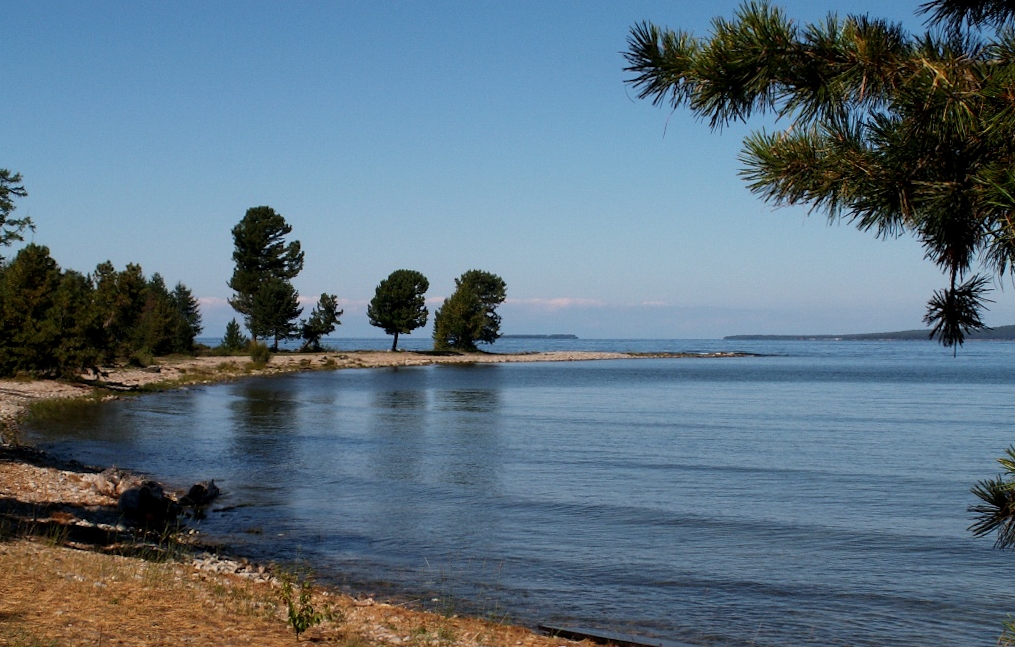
x: 188, y: 319
x: 81, y: 336
x: 491, y: 291
x: 469, y: 315
x: 11, y: 228
x: 321, y: 323
x: 399, y: 305
x: 120, y: 298
x: 234, y: 339
x: 28, y: 336
x: 893, y: 133
x: 261, y: 255
x: 155, y: 327
x: 274, y: 311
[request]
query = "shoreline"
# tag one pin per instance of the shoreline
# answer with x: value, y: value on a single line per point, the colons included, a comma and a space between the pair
x: 53, y: 511
x: 17, y: 395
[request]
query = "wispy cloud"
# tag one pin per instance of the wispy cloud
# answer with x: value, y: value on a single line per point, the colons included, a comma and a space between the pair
x: 213, y: 302
x: 558, y: 303
x: 355, y: 304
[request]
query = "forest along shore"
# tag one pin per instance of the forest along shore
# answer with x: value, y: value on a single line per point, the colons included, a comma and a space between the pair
x: 71, y: 572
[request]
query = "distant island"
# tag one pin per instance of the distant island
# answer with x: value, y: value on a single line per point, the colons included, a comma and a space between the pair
x: 539, y: 336
x: 999, y: 333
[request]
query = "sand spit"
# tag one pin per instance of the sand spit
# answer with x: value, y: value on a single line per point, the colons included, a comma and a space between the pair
x: 17, y: 394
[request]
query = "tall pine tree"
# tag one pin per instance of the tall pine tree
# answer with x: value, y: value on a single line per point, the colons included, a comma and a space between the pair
x: 262, y: 257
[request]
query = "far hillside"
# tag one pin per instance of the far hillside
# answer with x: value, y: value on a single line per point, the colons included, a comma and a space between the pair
x: 997, y: 334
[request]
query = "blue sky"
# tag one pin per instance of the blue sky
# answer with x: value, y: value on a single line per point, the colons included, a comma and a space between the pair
x: 436, y: 136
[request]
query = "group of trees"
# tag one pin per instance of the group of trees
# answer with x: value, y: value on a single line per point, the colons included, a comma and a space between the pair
x: 469, y: 316
x: 262, y: 281
x: 61, y: 322
x: 266, y: 263
x: 55, y: 321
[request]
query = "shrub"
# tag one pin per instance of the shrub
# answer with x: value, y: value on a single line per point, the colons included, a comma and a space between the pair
x: 259, y: 352
x: 301, y: 614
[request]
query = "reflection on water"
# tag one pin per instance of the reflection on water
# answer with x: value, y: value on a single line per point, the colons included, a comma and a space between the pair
x: 264, y: 424
x: 473, y: 426
x: 474, y: 401
x: 398, y: 421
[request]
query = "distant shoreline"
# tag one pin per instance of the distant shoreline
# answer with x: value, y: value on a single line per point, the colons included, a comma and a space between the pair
x: 1001, y: 333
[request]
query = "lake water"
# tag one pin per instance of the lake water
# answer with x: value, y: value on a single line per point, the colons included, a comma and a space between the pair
x: 815, y: 495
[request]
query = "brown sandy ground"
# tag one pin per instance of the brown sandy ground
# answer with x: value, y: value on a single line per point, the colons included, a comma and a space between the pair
x: 72, y: 573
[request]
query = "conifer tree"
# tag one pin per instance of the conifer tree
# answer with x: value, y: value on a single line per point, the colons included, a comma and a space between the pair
x: 154, y: 330
x: 120, y: 298
x: 28, y: 335
x: 73, y: 313
x: 894, y: 133
x: 399, y: 304
x: 188, y: 319
x: 491, y: 291
x: 234, y: 339
x: 274, y: 311
x: 469, y: 315
x: 262, y: 256
x: 11, y: 228
x: 322, y: 321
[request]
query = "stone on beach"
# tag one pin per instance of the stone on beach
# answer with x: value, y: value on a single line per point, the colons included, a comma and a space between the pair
x: 148, y: 503
x: 200, y: 494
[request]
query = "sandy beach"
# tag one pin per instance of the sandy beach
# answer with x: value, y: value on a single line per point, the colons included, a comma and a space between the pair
x: 70, y: 573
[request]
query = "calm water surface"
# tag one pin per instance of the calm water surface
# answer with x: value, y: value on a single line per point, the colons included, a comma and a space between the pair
x: 816, y: 495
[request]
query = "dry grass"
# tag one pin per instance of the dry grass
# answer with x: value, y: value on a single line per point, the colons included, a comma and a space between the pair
x: 54, y: 595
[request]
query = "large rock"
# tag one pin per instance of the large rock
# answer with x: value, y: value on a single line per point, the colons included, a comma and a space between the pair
x: 147, y: 503
x: 200, y: 494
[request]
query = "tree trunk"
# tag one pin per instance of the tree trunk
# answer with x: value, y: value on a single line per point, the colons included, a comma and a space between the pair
x: 394, y: 344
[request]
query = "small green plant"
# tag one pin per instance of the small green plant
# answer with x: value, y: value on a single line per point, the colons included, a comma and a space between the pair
x: 1007, y: 637
x: 259, y: 353
x: 55, y: 534
x: 301, y: 614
